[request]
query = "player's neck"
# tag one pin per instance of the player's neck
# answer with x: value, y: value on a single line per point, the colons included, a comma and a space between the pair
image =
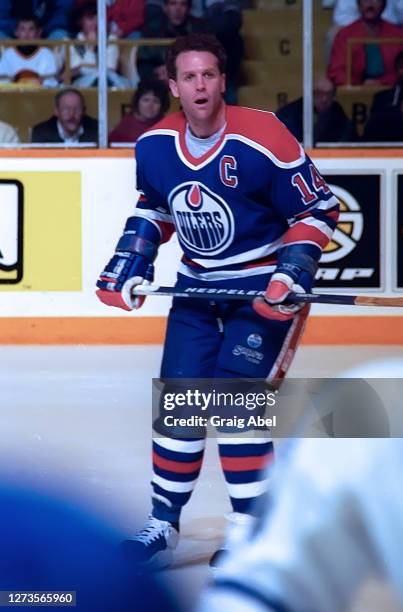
x: 204, y: 128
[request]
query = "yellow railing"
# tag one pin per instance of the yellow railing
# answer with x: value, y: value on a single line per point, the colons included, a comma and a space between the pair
x: 71, y: 42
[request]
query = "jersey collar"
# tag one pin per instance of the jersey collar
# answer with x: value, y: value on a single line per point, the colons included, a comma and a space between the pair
x: 187, y: 157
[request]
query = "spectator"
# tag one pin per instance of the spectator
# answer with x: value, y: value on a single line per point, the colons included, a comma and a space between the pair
x: 28, y: 63
x: 126, y: 18
x: 84, y: 57
x: 69, y: 124
x: 223, y: 18
x: 53, y: 16
x: 371, y: 63
x: 386, y: 125
x: 388, y: 98
x: 225, y: 21
x: 149, y: 105
x: 177, y: 21
x: 330, y: 121
x: 160, y: 73
x: 346, y: 11
x: 8, y: 134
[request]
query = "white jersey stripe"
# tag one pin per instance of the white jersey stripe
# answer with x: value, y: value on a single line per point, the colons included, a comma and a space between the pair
x: 244, y: 257
x: 225, y: 274
x: 158, y: 133
x: 152, y: 214
x: 317, y: 224
x: 320, y: 205
x: 254, y: 145
x: 326, y: 204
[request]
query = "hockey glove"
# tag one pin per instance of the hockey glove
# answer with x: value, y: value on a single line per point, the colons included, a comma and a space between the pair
x: 131, y: 265
x: 294, y: 273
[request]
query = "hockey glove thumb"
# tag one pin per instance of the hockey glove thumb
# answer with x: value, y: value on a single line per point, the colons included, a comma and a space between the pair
x: 273, y: 305
x: 116, y: 282
x: 131, y: 265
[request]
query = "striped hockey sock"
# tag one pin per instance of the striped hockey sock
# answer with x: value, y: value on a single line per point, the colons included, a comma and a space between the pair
x: 176, y: 467
x: 243, y: 463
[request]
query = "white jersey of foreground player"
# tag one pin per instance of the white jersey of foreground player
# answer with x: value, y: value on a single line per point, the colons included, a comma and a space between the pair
x: 337, y: 519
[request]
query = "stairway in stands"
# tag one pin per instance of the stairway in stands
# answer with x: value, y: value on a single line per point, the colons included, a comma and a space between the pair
x: 272, y: 68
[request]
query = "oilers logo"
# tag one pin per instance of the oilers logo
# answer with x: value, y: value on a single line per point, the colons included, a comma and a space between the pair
x: 204, y: 221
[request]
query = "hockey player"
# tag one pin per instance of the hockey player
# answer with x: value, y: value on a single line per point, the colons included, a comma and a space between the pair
x: 329, y: 530
x: 250, y: 210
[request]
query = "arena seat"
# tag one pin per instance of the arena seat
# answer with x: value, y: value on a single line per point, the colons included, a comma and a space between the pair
x: 25, y: 109
x: 272, y: 68
x: 356, y: 102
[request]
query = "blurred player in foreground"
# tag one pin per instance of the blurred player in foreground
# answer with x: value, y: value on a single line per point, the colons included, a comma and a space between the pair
x: 53, y: 545
x: 335, y: 522
x: 251, y: 211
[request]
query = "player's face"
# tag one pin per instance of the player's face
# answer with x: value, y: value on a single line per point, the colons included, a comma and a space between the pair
x: 70, y: 112
x: 149, y: 106
x: 199, y: 85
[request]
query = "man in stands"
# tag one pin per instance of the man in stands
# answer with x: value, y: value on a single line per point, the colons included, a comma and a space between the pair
x: 69, y: 124
x: 223, y: 19
x: 176, y: 21
x: 330, y: 121
x: 371, y: 63
x: 387, y: 98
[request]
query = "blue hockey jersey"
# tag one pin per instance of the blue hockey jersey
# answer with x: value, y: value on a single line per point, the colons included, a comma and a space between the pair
x: 253, y: 193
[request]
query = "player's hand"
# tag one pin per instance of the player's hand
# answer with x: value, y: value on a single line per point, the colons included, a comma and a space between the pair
x: 124, y: 272
x: 272, y: 305
x: 295, y: 273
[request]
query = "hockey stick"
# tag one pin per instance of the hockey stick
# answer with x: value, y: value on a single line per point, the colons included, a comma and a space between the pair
x: 215, y: 293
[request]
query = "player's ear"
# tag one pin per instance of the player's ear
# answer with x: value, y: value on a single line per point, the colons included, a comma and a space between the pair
x: 222, y: 83
x: 174, y: 88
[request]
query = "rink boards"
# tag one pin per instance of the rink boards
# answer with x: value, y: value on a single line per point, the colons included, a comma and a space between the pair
x: 62, y: 212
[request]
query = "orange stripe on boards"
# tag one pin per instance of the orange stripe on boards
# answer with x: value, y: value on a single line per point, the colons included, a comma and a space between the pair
x: 340, y: 330
x: 82, y: 330
x: 57, y: 153
x: 360, y: 153
x: 123, y: 152
x: 244, y: 464
x: 176, y: 466
x: 354, y: 330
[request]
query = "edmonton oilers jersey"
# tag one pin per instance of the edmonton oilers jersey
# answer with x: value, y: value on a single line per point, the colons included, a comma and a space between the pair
x: 252, y: 193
